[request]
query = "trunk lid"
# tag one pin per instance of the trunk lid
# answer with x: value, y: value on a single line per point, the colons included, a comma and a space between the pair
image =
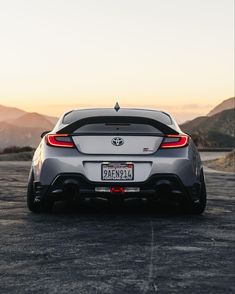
x: 117, y: 145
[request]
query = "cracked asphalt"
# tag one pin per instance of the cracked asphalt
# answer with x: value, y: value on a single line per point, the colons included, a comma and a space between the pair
x: 109, y: 249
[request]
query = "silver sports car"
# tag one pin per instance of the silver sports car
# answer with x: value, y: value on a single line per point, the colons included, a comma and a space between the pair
x: 117, y: 153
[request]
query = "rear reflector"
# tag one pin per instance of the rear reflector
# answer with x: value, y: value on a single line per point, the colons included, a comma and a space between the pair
x: 132, y: 189
x: 102, y: 189
x: 175, y: 141
x: 117, y: 190
x: 60, y: 140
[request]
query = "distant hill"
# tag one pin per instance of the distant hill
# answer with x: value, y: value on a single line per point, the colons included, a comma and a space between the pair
x: 21, y: 128
x: 226, y: 104
x: 52, y: 119
x: 12, y: 135
x: 7, y: 113
x: 32, y: 120
x: 213, y: 131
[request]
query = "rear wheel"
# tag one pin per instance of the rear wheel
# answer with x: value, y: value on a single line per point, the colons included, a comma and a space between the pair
x: 45, y: 205
x: 200, y: 206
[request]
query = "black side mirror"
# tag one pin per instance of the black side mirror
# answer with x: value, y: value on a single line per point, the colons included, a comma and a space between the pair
x: 44, y: 133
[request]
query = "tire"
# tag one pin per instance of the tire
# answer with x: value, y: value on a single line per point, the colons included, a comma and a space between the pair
x: 37, y: 207
x: 198, y: 208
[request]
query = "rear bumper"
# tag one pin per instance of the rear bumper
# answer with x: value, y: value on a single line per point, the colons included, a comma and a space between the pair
x: 185, y: 168
x: 164, y: 187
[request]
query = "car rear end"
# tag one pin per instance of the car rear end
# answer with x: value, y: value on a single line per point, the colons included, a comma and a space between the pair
x: 117, y: 155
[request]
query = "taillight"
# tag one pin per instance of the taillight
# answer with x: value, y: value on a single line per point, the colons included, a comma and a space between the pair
x: 175, y: 141
x: 60, y: 140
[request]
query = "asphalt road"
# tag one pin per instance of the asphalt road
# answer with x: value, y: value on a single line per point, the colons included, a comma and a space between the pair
x: 115, y: 249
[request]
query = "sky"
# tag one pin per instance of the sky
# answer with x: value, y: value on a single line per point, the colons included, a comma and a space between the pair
x: 174, y: 55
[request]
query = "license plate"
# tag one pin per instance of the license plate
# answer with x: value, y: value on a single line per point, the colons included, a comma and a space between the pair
x: 117, y: 171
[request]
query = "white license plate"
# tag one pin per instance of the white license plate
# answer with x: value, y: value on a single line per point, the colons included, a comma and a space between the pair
x: 117, y: 171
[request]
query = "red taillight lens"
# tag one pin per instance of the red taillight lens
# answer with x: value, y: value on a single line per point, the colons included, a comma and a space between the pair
x: 60, y: 140
x: 175, y: 141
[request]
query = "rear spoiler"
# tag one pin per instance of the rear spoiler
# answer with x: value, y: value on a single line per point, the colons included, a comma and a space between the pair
x: 165, y: 129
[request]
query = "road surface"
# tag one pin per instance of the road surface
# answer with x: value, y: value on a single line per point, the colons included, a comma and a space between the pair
x: 100, y: 249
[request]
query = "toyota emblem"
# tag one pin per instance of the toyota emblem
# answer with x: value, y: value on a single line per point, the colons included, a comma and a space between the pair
x: 117, y: 141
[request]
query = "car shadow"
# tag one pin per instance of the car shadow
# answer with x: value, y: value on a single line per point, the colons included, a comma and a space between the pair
x: 108, y: 210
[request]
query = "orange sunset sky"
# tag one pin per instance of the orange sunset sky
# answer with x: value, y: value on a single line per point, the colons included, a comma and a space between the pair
x: 176, y: 55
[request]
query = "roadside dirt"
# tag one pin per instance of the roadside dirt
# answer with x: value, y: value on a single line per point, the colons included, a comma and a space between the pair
x: 115, y: 250
x: 226, y: 163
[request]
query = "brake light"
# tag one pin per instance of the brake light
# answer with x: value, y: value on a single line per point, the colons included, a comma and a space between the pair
x: 60, y: 140
x: 175, y: 141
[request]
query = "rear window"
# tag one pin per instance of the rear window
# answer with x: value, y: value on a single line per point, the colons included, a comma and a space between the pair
x: 117, y: 128
x: 156, y: 115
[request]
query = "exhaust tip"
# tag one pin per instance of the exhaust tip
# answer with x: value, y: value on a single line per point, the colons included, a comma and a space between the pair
x: 164, y: 187
x: 71, y: 182
x: 71, y: 187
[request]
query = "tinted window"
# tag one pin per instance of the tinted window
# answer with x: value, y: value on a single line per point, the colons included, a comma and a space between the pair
x: 117, y: 128
x: 79, y: 114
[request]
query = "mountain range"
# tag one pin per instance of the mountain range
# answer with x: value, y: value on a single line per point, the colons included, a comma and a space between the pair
x: 12, y: 113
x: 212, y: 131
x: 226, y: 104
x: 21, y: 128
